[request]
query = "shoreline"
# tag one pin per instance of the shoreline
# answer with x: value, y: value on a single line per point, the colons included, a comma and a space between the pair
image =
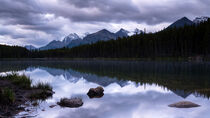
x: 187, y: 59
x: 16, y: 94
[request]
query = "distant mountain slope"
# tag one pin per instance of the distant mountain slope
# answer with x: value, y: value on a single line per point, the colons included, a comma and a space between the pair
x: 122, y: 33
x: 74, y: 40
x: 75, y: 43
x: 30, y: 47
x: 60, y: 44
x: 102, y: 35
x: 71, y: 37
x: 181, y: 23
x: 189, y: 41
x: 53, y: 45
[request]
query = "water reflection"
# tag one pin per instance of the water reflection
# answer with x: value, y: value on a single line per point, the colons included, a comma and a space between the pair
x: 132, y: 89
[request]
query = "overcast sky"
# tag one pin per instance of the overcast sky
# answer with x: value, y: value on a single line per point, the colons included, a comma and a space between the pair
x: 38, y: 22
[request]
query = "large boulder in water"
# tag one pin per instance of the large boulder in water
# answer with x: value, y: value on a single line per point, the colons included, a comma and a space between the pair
x: 72, y: 103
x: 96, y: 92
x: 184, y: 104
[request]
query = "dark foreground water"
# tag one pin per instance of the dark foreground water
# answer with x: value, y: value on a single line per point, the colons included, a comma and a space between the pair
x: 132, y: 89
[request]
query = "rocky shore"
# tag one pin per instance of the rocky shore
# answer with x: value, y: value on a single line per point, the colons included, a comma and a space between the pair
x: 14, y: 96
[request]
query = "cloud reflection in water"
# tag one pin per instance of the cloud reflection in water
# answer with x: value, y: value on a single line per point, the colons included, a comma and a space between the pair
x: 129, y: 101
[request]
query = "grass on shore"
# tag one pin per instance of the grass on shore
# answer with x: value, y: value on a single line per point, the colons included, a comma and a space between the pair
x: 24, y: 82
x: 13, y: 84
x: 43, y: 86
x: 21, y: 81
x: 45, y: 93
x: 7, y: 96
x: 42, y: 95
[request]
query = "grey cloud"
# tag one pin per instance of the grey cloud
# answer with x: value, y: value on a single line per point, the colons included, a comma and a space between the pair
x: 29, y: 14
x: 110, y: 11
x: 18, y: 12
x: 118, y: 11
x: 43, y: 27
x: 26, y: 13
x: 11, y: 33
x: 36, y: 42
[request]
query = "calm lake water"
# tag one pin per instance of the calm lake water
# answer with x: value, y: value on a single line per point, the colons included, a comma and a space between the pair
x: 132, y: 89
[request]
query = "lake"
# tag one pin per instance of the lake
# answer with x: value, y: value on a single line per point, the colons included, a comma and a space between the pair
x: 133, y: 89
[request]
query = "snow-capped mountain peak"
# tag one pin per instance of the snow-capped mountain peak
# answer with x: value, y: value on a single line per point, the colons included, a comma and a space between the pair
x: 198, y: 20
x: 73, y: 36
x: 70, y: 38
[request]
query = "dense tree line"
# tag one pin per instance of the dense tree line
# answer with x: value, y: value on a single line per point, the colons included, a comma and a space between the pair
x: 13, y: 52
x: 171, y: 42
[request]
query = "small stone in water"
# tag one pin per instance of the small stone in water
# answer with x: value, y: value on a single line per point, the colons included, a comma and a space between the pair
x: 184, y: 104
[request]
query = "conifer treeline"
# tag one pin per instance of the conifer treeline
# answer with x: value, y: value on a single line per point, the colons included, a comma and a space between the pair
x: 13, y: 52
x: 175, y: 42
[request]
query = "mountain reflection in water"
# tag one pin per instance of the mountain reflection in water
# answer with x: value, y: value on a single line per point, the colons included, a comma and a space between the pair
x: 132, y: 89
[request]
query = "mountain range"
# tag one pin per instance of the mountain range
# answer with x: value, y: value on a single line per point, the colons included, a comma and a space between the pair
x: 73, y: 40
x: 185, y: 21
x: 60, y: 44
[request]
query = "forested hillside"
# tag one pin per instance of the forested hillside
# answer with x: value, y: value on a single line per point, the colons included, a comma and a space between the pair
x: 13, y: 52
x: 171, y: 42
x: 187, y: 41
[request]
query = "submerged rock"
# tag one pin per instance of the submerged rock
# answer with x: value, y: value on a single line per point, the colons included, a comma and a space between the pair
x: 184, y: 104
x: 72, y: 103
x: 96, y: 92
x: 52, y: 106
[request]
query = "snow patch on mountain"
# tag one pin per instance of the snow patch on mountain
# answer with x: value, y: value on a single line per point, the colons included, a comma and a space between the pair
x: 70, y: 38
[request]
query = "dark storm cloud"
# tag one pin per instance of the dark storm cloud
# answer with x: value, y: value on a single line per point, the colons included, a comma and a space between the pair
x: 19, y: 11
x: 141, y: 12
x: 26, y: 13
x: 109, y: 10
x: 43, y: 27
x: 14, y: 36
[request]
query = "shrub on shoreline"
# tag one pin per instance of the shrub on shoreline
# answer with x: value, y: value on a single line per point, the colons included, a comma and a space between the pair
x: 21, y: 81
x: 20, y: 85
x: 7, y: 96
x: 43, y: 86
x: 25, y: 82
x: 40, y: 91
